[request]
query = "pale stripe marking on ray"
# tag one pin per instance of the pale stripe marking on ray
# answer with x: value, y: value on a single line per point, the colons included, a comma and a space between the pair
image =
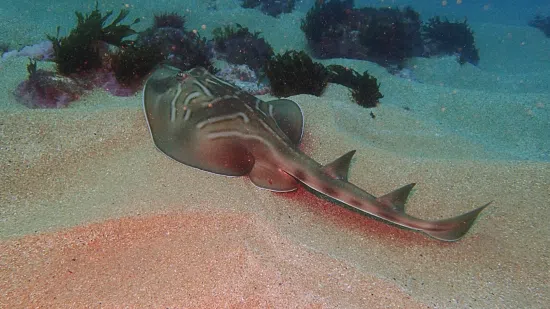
x: 216, y: 100
x: 214, y: 79
x: 173, y: 110
x: 203, y: 88
x: 213, y: 120
x: 190, y: 97
x: 266, y: 126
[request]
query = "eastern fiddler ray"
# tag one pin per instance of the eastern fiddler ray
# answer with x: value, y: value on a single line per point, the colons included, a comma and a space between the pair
x: 204, y: 122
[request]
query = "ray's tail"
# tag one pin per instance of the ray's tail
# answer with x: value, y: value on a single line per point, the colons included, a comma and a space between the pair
x: 393, y: 205
x: 454, y: 228
x: 451, y: 229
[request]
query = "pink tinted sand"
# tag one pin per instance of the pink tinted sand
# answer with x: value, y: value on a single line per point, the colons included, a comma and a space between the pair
x: 191, y: 260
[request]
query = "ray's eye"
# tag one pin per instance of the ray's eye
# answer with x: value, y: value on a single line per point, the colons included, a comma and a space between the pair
x: 181, y: 76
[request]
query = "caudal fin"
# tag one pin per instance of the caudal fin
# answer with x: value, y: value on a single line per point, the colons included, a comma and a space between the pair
x: 454, y: 228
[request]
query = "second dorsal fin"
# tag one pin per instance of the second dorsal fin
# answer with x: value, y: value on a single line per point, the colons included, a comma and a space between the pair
x: 397, y: 198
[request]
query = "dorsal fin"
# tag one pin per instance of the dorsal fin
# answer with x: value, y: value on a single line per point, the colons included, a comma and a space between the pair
x: 288, y: 116
x: 339, y: 168
x: 397, y: 198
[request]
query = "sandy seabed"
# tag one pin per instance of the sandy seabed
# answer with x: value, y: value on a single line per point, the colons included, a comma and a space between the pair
x: 92, y: 215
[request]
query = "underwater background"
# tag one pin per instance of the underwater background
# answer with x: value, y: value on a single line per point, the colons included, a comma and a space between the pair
x: 93, y: 215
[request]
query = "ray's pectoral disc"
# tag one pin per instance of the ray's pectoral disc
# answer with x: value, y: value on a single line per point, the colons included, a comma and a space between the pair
x: 191, y: 119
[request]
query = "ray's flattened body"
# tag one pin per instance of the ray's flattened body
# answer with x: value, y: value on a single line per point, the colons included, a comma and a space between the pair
x: 205, y: 122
